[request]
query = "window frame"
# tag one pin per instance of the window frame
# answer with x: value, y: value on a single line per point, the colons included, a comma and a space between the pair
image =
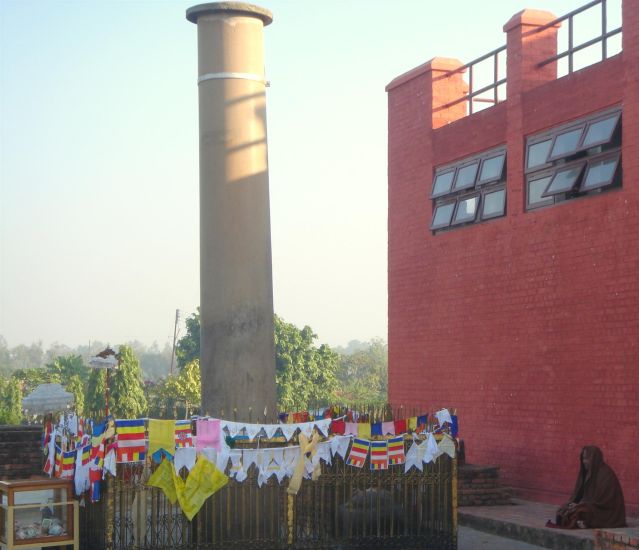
x: 480, y: 181
x: 462, y: 198
x: 565, y: 168
x: 434, y: 227
x: 460, y: 167
x: 546, y: 201
x: 616, y: 155
x: 551, y: 157
x: 488, y: 191
x: 452, y: 169
x: 617, y: 116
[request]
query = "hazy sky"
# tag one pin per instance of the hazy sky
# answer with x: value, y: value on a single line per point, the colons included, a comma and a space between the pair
x: 99, y: 166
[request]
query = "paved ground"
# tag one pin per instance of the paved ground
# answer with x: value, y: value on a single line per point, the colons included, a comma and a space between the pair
x: 469, y: 539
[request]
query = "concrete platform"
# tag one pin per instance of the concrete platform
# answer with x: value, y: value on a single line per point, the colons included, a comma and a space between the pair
x: 525, y: 521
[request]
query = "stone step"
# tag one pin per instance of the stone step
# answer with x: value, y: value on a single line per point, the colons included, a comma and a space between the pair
x: 525, y: 521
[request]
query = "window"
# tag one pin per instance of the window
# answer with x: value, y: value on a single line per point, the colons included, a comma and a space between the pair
x: 574, y: 160
x: 470, y: 191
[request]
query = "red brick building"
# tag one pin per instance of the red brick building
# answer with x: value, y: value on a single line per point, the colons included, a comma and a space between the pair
x: 513, y: 260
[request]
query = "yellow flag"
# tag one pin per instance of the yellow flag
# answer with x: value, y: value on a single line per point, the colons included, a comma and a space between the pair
x: 161, y: 435
x: 364, y: 430
x: 203, y: 481
x: 163, y: 479
x: 412, y: 423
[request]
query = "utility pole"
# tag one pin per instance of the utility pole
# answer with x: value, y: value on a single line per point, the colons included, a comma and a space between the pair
x: 175, y: 331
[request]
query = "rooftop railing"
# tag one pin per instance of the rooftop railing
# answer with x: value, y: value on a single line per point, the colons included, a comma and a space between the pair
x: 602, y: 38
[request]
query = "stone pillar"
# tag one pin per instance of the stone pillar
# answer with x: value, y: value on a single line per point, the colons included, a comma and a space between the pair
x: 237, y: 352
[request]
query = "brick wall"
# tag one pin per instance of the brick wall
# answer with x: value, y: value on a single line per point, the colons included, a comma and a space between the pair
x: 529, y: 323
x: 20, y: 452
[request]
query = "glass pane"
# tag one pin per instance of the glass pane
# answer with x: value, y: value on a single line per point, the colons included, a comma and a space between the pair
x: 536, y: 188
x: 494, y: 203
x: 466, y: 176
x: 600, y: 131
x: 492, y: 168
x: 442, y: 215
x: 566, y: 143
x: 467, y: 209
x: 600, y: 173
x: 538, y: 153
x: 563, y: 180
x: 443, y: 182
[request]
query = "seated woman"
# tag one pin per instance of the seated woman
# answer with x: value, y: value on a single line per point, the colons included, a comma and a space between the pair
x: 597, y: 500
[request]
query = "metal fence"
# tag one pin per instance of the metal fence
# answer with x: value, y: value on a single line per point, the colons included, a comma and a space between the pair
x: 345, y: 508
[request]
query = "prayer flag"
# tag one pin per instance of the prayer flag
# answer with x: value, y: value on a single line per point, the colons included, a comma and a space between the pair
x: 58, y: 461
x: 68, y: 464
x: 400, y: 427
x: 338, y: 427
x: 422, y: 422
x: 86, y: 454
x: 376, y: 428
x: 364, y: 430
x: 379, y: 455
x: 208, y: 434
x: 412, y: 423
x: 131, y: 442
x: 350, y: 428
x: 161, y: 435
x: 454, y: 428
x: 204, y: 480
x: 388, y: 428
x: 396, y: 451
x: 183, y: 434
x: 358, y: 453
x: 162, y: 478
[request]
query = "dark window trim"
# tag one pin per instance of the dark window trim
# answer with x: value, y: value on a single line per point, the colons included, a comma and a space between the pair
x: 594, y: 160
x: 603, y: 141
x: 534, y: 177
x: 454, y: 188
x: 551, y: 157
x: 461, y: 199
x: 501, y: 154
x: 565, y: 168
x: 488, y: 191
x: 551, y: 133
x: 438, y: 205
x: 450, y: 190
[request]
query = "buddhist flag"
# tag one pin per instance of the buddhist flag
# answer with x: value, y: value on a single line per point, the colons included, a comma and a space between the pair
x: 68, y: 464
x: 396, y: 451
x: 358, y: 453
x: 86, y: 454
x: 379, y: 455
x: 58, y: 461
x: 131, y: 442
x: 161, y: 435
x: 183, y: 435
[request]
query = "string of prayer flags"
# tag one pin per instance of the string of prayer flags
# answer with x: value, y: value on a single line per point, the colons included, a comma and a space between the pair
x: 131, y: 442
x: 396, y: 451
x: 183, y: 435
x: 161, y: 435
x: 358, y: 453
x: 379, y: 455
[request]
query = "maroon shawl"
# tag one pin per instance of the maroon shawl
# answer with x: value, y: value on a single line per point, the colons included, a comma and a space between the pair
x: 597, y: 495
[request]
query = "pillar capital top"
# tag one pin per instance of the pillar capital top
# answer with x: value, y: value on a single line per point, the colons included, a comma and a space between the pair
x: 230, y: 8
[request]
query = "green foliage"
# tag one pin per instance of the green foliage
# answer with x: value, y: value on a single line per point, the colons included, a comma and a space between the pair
x: 94, y: 402
x: 126, y: 393
x: 64, y: 367
x: 187, y: 348
x: 76, y: 387
x: 363, y: 375
x: 305, y: 374
x: 10, y: 401
x: 31, y: 378
x: 177, y: 396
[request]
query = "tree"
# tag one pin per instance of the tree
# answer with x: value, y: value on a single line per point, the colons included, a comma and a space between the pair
x: 188, y: 347
x: 94, y: 402
x: 177, y: 395
x: 30, y: 378
x: 305, y: 375
x: 64, y: 367
x: 127, y: 399
x: 363, y: 375
x: 10, y: 401
x: 76, y: 387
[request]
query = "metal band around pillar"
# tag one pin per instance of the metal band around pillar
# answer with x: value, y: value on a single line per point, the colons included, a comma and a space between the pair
x: 241, y: 76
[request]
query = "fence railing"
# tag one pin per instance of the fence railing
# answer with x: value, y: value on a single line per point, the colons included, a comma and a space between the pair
x: 603, y: 37
x: 479, y: 95
x: 345, y: 508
